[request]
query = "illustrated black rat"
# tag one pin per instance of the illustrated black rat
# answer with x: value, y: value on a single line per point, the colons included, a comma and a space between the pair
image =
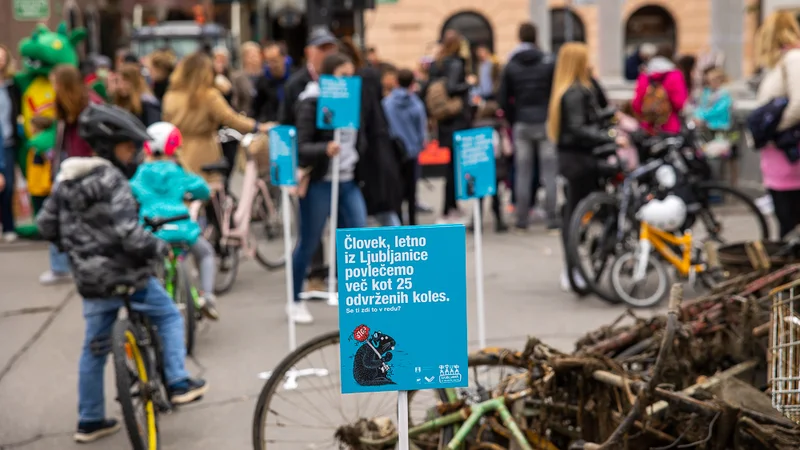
x: 369, y: 365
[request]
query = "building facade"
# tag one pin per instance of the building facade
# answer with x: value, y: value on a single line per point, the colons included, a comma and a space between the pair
x: 408, y: 29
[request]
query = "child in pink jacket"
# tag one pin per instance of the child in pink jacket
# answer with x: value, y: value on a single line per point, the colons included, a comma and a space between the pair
x: 662, y: 70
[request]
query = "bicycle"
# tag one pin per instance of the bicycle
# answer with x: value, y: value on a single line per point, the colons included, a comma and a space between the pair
x: 230, y: 229
x: 615, y: 213
x: 139, y: 367
x: 178, y: 283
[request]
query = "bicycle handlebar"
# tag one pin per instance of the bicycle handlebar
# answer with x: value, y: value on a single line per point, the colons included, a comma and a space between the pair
x: 155, y: 223
x: 229, y: 134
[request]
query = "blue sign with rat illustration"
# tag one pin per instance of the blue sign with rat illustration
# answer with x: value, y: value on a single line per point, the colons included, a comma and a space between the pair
x: 339, y: 103
x: 402, y: 308
x: 474, y: 163
x: 283, y: 155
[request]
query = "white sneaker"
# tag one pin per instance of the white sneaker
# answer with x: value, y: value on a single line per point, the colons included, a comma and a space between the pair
x: 49, y: 278
x: 333, y: 299
x: 10, y: 236
x: 299, y: 313
x: 565, y: 286
x: 579, y: 281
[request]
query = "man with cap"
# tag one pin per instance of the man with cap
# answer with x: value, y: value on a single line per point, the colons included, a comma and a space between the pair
x: 321, y: 43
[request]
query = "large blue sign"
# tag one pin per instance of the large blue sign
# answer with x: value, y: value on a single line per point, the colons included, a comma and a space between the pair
x: 283, y: 155
x: 402, y: 308
x: 474, y: 164
x: 339, y: 104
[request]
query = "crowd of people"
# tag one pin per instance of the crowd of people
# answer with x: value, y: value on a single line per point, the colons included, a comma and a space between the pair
x: 548, y: 113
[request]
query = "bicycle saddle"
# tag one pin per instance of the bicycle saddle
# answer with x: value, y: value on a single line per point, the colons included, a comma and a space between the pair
x: 604, y: 151
x: 219, y: 166
x: 157, y: 222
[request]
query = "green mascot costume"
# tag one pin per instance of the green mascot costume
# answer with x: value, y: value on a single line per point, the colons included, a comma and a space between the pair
x: 41, y: 53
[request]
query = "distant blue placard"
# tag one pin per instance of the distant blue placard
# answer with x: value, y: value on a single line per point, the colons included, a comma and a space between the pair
x: 402, y: 308
x: 474, y: 163
x: 339, y: 104
x: 283, y: 155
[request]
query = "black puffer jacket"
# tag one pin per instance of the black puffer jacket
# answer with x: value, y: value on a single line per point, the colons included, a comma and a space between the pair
x: 580, y: 131
x: 525, y: 87
x: 93, y: 216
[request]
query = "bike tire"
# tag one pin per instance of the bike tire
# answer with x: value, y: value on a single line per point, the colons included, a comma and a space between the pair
x: 584, y: 207
x: 286, y: 364
x: 663, y: 282
x: 261, y: 218
x: 764, y: 233
x: 183, y: 296
x: 124, y: 340
x: 223, y: 284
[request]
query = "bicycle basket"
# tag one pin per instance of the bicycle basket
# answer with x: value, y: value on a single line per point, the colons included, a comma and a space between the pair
x: 259, y: 150
x: 784, y: 350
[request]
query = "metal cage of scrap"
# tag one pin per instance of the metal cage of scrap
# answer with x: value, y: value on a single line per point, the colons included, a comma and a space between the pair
x: 784, y: 354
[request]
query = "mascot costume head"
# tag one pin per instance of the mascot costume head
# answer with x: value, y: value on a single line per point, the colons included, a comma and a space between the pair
x: 41, y: 53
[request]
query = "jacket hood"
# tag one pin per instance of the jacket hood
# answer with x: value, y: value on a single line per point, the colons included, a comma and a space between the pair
x: 529, y: 56
x: 520, y: 47
x: 287, y: 70
x: 401, y: 98
x: 155, y: 178
x: 659, y: 64
x: 75, y: 168
x: 310, y: 91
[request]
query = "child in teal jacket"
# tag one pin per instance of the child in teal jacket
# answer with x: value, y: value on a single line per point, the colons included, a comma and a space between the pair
x: 160, y: 186
x: 716, y: 103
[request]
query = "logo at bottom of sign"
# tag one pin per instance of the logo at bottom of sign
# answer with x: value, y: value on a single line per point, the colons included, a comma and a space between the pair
x: 449, y: 374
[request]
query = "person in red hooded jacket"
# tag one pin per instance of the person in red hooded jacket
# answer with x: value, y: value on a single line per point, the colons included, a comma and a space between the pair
x: 661, y: 72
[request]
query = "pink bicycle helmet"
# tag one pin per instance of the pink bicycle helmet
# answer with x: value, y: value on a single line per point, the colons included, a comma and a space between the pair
x: 166, y: 139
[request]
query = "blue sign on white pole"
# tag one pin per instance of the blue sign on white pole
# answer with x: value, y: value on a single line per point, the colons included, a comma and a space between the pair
x: 402, y: 308
x: 283, y: 155
x: 474, y: 164
x: 339, y: 104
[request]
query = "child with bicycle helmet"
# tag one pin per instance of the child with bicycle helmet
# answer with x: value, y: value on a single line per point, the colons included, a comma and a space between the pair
x: 92, y: 216
x: 160, y: 186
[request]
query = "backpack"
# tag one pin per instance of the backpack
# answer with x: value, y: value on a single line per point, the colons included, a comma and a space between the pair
x: 656, y: 106
x: 440, y: 105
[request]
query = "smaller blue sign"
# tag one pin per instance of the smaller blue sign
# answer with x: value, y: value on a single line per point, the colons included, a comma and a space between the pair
x: 474, y: 164
x: 339, y: 104
x: 402, y: 308
x: 283, y: 155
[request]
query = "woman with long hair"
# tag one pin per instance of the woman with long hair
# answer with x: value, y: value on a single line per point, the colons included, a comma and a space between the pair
x: 133, y: 95
x: 315, y: 149
x: 778, y: 52
x: 198, y: 109
x: 9, y: 110
x: 72, y: 97
x: 451, y: 66
x: 382, y: 184
x: 574, y: 125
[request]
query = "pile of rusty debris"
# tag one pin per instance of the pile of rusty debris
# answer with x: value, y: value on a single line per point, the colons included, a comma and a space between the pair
x: 696, y: 377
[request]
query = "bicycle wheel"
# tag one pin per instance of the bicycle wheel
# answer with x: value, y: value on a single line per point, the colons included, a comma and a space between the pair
x: 267, y: 228
x: 625, y: 266
x: 133, y: 375
x: 301, y: 406
x: 594, y: 226
x: 185, y: 302
x: 727, y: 215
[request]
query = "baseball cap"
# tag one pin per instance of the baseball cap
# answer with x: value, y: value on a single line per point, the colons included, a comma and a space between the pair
x: 321, y: 36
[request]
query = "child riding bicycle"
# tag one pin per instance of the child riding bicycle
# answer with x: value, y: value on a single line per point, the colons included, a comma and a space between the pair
x: 160, y: 186
x: 92, y: 216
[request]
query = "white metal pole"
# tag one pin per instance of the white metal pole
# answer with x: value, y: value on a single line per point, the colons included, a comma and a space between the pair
x: 333, y: 298
x: 402, y: 420
x: 286, y: 208
x: 479, y: 272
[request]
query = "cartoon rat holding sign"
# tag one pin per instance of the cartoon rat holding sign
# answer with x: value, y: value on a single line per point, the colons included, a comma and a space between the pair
x: 369, y: 365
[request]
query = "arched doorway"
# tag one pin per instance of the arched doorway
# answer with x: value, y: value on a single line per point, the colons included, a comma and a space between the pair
x: 474, y: 27
x: 653, y: 24
x: 566, y: 26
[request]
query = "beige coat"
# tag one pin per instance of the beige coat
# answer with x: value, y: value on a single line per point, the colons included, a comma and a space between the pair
x: 199, y: 125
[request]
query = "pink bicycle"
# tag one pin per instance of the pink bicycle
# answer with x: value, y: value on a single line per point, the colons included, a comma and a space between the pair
x: 250, y: 225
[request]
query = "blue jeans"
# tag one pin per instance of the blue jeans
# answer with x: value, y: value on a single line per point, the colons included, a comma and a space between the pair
x: 388, y: 219
x: 59, y: 262
x: 100, y: 315
x: 7, y: 195
x: 315, y: 208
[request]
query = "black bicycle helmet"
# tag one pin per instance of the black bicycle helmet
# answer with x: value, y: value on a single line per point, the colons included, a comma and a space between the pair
x: 105, y: 126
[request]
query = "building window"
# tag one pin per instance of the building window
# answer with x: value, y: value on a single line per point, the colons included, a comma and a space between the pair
x: 566, y: 26
x: 652, y: 24
x: 475, y: 29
